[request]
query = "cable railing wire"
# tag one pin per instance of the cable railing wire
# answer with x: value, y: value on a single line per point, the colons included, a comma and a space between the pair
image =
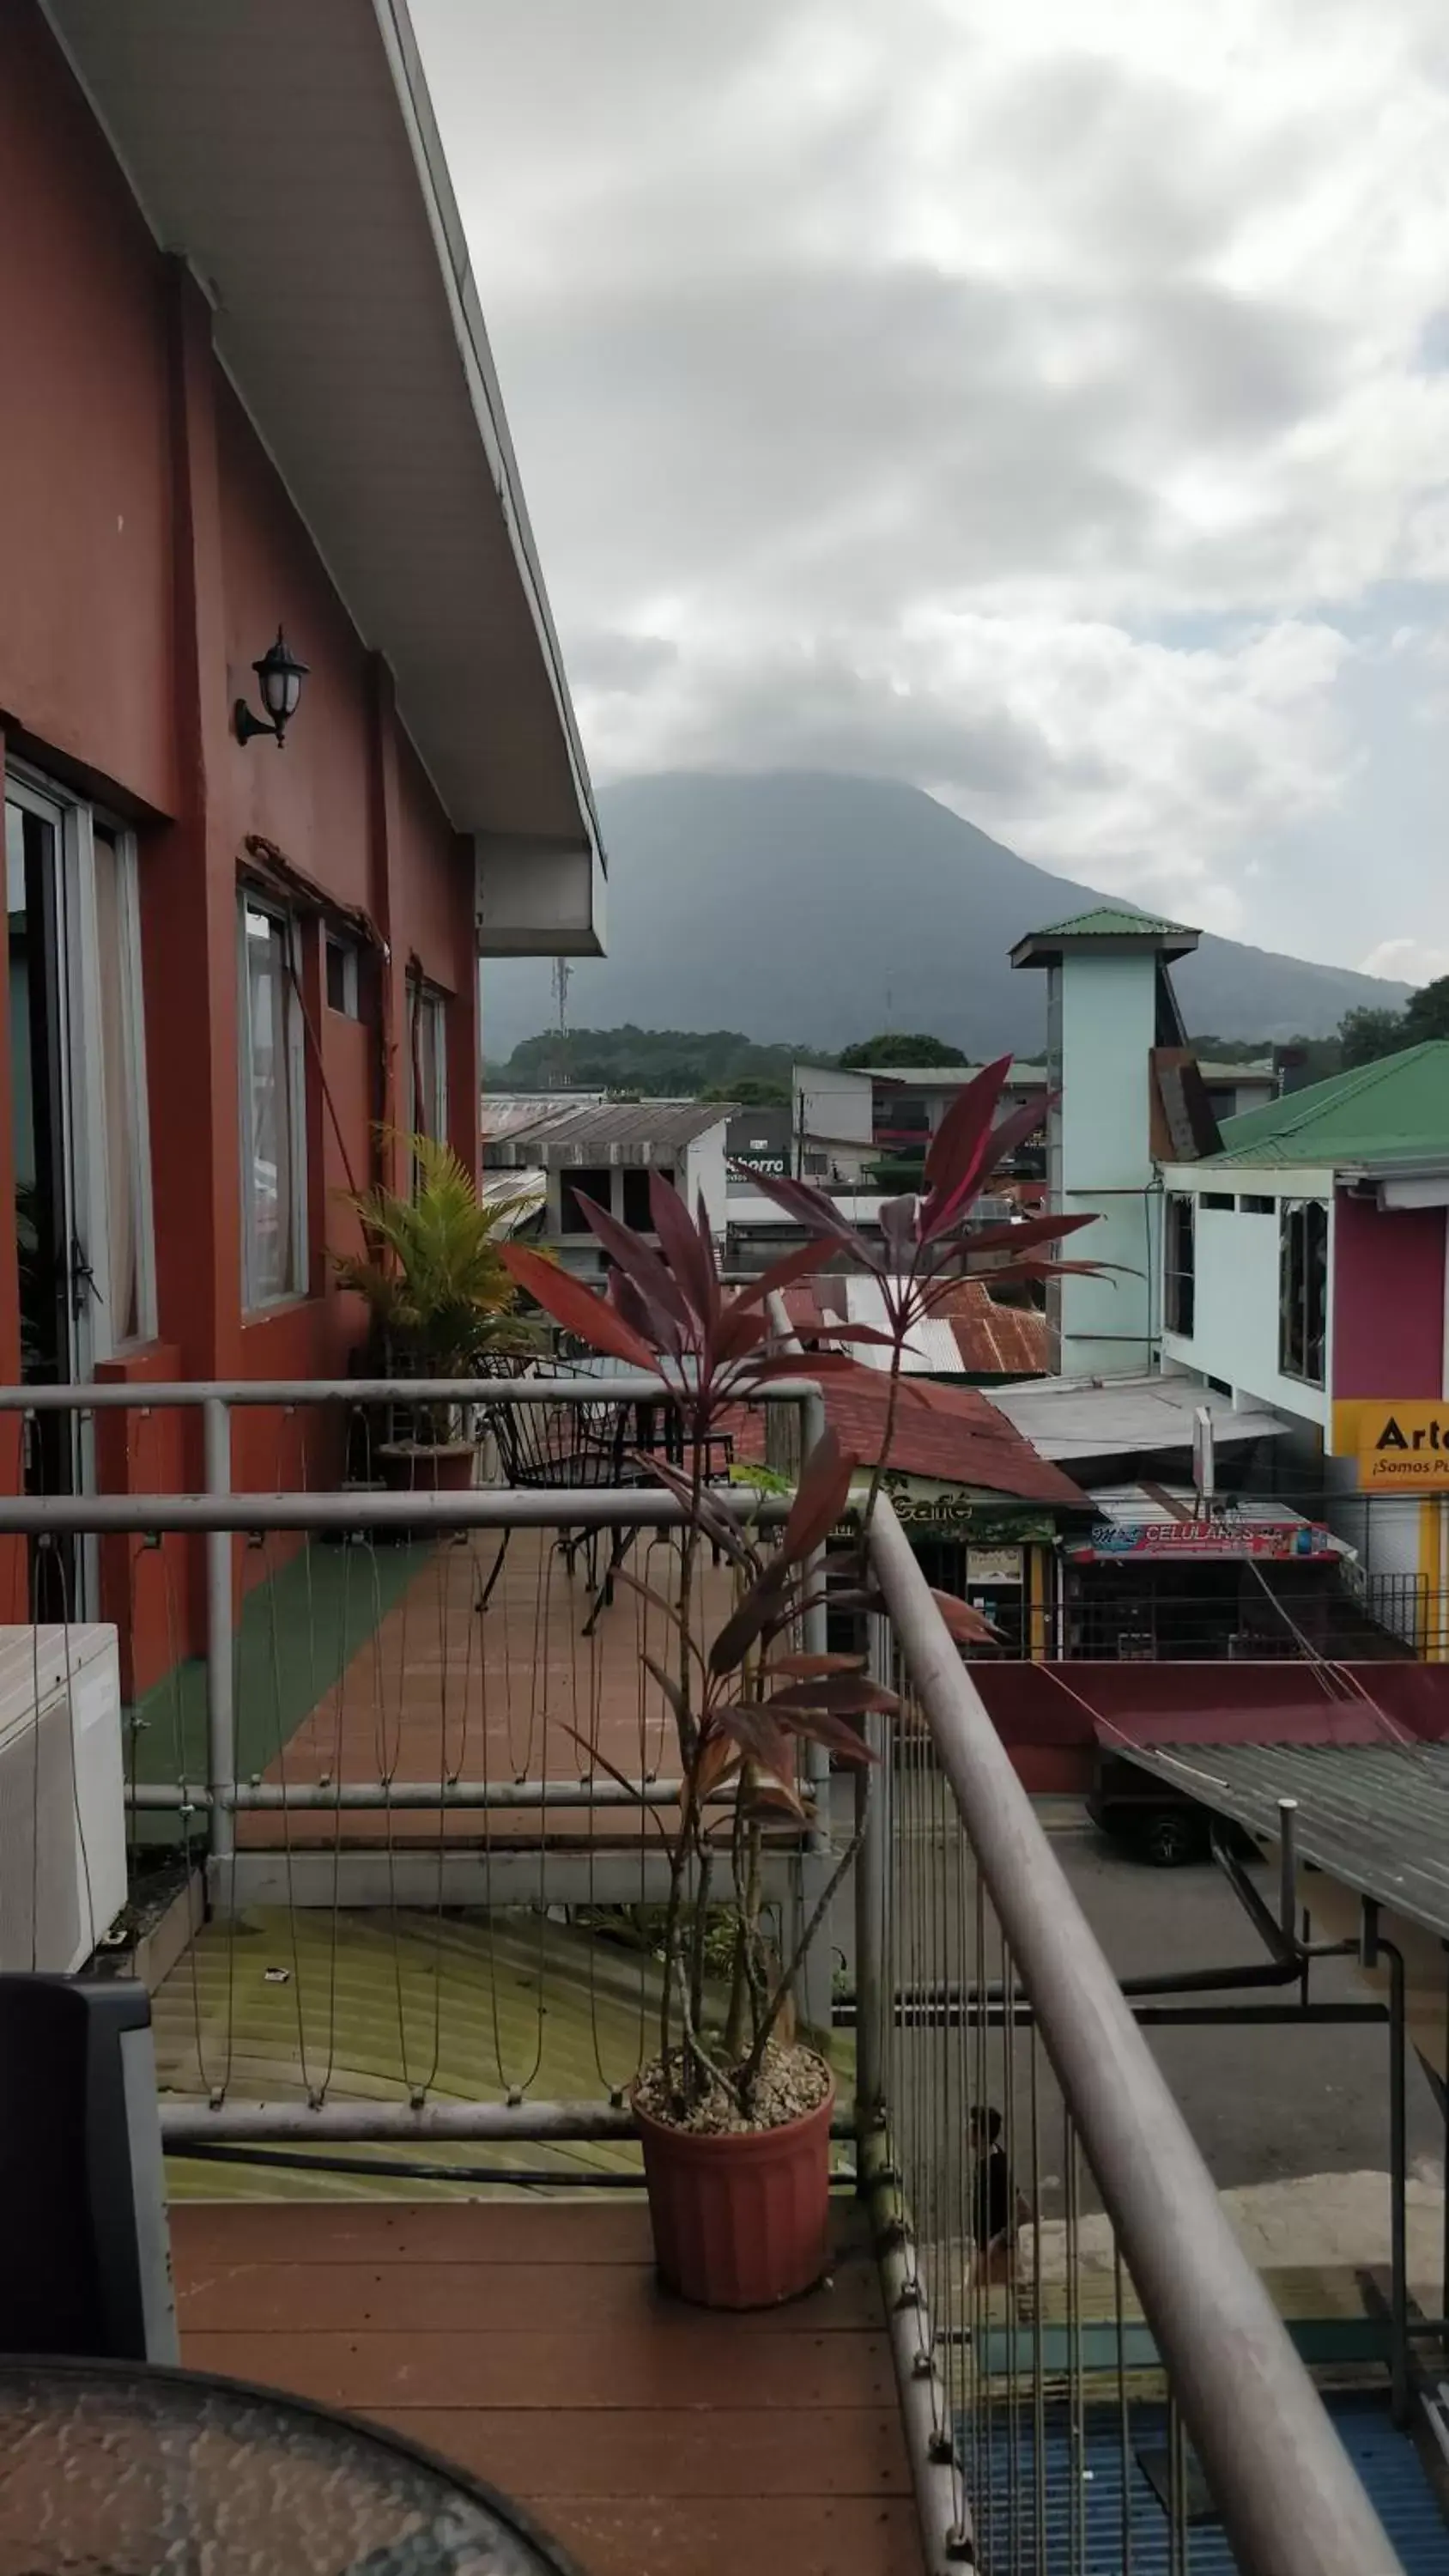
x: 1023, y: 2434
x: 1224, y: 2376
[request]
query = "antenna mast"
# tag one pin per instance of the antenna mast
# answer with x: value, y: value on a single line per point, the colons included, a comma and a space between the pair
x: 561, y: 973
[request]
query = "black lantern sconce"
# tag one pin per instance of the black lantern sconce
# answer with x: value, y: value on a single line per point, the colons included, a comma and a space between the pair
x: 279, y: 679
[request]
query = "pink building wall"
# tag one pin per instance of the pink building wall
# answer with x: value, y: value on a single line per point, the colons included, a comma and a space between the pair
x: 1388, y: 1300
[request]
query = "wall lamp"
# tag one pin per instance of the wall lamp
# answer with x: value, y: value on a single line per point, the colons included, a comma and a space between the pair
x: 279, y: 679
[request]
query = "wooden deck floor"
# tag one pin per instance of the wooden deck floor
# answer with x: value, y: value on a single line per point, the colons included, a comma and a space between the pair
x: 529, y: 2343
x: 448, y: 1687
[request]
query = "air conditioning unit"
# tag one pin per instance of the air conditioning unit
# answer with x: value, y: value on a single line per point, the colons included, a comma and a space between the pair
x: 62, y: 1808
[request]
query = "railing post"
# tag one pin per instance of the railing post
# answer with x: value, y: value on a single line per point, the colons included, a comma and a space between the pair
x: 220, y: 1661
x: 817, y: 1976
x: 872, y: 1791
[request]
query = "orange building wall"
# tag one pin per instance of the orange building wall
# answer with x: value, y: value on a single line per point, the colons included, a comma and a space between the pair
x: 148, y: 551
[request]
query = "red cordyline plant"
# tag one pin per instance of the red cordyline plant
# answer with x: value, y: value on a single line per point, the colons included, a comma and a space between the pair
x: 743, y: 1701
x: 925, y: 1250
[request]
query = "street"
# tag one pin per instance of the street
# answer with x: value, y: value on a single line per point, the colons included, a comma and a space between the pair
x: 1293, y: 2121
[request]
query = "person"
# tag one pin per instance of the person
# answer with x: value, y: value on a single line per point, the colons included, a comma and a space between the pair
x: 997, y: 2208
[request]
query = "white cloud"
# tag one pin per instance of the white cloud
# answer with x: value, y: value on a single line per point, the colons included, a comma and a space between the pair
x: 1407, y: 961
x: 1048, y: 405
x: 1109, y: 757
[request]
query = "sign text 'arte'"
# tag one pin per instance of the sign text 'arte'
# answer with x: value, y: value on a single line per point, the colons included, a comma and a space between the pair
x: 1404, y: 1448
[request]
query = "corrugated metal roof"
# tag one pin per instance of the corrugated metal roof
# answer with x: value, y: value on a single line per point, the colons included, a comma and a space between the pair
x: 1374, y: 1816
x: 517, y: 1192
x: 557, y: 1130
x: 1023, y: 1076
x: 931, y: 1350
x: 1070, y: 1418
x: 968, y: 1334
x: 995, y: 1340
x: 1114, y: 921
x: 1375, y: 1112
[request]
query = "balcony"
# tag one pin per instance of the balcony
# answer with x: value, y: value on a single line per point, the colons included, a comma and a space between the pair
x: 393, y: 2068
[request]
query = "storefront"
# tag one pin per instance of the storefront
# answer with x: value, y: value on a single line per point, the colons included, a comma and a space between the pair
x: 999, y: 1555
x: 1402, y: 1451
x: 1158, y: 1579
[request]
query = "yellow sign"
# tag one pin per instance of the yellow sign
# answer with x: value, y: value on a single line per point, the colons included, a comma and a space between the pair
x: 1404, y: 1448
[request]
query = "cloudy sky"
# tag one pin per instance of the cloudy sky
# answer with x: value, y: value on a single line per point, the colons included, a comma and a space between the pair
x: 1045, y: 401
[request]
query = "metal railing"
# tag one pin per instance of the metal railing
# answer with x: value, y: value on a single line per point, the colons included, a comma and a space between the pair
x: 1067, y: 2346
x: 1058, y: 2376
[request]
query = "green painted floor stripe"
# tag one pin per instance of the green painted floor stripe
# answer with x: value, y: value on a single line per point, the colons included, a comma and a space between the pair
x: 298, y: 1631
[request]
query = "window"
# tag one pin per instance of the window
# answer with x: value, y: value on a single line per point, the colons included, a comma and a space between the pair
x: 596, y: 1183
x: 1217, y: 1199
x: 342, y: 977
x: 1250, y: 1205
x: 637, y: 1210
x: 1302, y: 1288
x: 125, y: 1157
x: 1180, y: 1264
x: 427, y: 1061
x: 901, y: 1113
x: 80, y: 1126
x: 274, y: 1134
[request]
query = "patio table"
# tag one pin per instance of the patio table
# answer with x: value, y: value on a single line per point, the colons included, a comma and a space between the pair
x: 119, y: 2469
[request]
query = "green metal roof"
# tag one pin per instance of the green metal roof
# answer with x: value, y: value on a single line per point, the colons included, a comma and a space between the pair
x: 1114, y: 921
x: 1395, y: 1110
x: 1105, y: 922
x: 1373, y: 1816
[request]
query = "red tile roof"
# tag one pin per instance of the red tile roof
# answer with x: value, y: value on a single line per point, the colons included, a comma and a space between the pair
x: 951, y: 1433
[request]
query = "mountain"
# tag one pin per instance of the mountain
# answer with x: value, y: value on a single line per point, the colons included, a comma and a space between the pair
x: 828, y: 907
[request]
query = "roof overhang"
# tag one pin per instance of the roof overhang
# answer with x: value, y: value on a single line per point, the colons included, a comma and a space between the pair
x: 1412, y: 1182
x: 1041, y: 948
x: 1074, y: 1419
x: 291, y: 155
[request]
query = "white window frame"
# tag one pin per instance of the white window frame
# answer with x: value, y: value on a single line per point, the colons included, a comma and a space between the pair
x: 82, y: 1059
x: 349, y: 1008
x: 429, y: 1003
x: 133, y: 1046
x: 298, y: 1284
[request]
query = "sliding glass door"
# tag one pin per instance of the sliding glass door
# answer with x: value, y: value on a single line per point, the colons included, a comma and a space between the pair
x: 79, y: 1129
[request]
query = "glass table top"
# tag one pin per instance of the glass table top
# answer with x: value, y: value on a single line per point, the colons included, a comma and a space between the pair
x: 113, y: 2469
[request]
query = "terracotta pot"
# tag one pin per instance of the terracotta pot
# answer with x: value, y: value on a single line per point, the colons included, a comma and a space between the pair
x: 420, y: 1466
x: 743, y: 2220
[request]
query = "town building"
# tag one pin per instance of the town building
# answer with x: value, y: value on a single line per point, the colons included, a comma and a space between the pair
x: 1110, y: 1009
x: 1279, y: 1279
x: 874, y: 1126
x: 1304, y: 1266
x: 590, y: 1147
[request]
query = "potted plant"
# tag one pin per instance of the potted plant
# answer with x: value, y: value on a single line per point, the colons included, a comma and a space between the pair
x: 439, y: 1298
x: 734, y: 2110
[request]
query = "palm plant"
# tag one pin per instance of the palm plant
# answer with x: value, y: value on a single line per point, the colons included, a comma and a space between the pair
x: 432, y: 1273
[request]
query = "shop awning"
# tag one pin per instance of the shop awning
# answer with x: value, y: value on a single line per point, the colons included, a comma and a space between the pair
x: 1156, y: 1525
